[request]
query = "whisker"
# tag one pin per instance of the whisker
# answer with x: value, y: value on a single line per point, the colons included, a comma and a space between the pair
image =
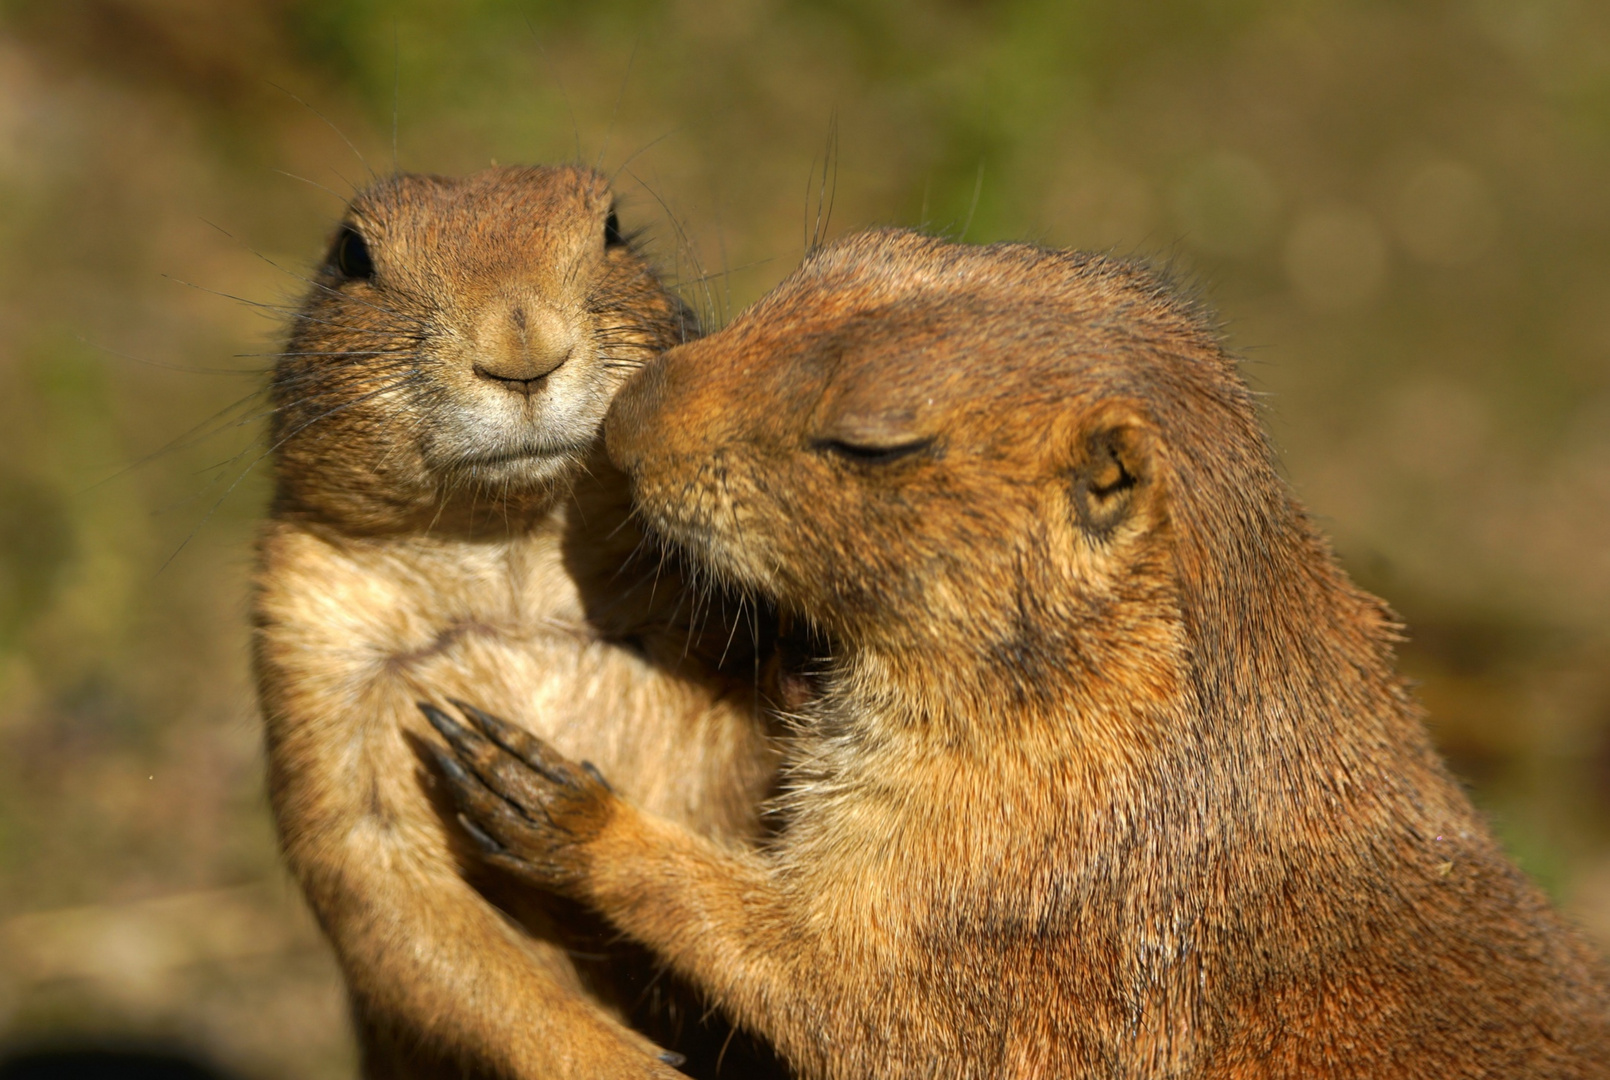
x: 319, y: 285
x: 328, y: 121
x: 266, y: 453
x: 640, y: 152
x: 685, y: 244
x: 313, y: 183
x: 160, y: 365
x: 196, y: 434
x: 609, y: 132
x: 294, y: 311
x: 321, y: 352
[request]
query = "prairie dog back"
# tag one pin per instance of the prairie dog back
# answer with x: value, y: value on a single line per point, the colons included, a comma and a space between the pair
x: 444, y: 526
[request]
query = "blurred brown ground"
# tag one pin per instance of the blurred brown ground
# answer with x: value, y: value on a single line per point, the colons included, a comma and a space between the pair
x: 1401, y: 210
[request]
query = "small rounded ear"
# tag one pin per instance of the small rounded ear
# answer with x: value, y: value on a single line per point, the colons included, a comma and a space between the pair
x: 1115, y: 458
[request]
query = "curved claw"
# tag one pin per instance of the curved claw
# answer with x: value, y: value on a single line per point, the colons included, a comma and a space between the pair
x: 592, y: 770
x: 450, y: 765
x: 496, y: 728
x: 535, y: 752
x: 528, y: 808
x: 457, y: 735
x: 484, y: 840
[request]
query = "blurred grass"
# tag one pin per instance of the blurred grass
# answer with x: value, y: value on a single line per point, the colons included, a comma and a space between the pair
x: 1399, y: 210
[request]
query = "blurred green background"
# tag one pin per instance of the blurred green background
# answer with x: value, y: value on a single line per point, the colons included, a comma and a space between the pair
x: 1402, y: 211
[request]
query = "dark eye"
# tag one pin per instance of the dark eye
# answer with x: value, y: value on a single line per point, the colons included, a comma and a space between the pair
x: 872, y: 455
x: 352, y: 255
x: 612, y: 231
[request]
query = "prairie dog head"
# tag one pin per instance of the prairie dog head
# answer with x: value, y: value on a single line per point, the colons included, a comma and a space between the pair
x: 459, y: 347
x: 989, y: 454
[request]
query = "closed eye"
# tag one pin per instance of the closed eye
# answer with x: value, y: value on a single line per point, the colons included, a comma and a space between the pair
x: 872, y: 455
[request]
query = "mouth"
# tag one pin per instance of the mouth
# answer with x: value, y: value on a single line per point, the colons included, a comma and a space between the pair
x: 516, y: 469
x: 792, y: 658
x: 799, y: 655
x: 740, y: 629
x: 531, y: 453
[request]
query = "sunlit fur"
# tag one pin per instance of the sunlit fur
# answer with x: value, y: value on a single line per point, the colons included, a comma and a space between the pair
x: 444, y: 526
x: 1109, y: 773
x: 506, y: 263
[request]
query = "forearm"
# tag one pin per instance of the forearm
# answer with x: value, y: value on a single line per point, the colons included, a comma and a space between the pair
x: 425, y: 955
x: 714, y: 914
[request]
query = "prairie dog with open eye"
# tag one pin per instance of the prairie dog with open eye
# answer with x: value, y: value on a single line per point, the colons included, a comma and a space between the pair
x: 443, y: 526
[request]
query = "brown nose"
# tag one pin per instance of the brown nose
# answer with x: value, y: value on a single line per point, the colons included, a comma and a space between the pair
x: 624, y: 424
x: 523, y: 346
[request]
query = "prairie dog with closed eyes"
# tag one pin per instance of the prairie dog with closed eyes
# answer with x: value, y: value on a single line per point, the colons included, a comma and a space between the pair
x: 1110, y: 772
x: 444, y: 526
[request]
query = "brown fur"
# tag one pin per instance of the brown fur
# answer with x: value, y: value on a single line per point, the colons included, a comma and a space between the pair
x: 1109, y: 774
x: 443, y: 525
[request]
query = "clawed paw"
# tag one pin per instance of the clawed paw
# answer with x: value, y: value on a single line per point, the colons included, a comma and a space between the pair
x: 529, y: 808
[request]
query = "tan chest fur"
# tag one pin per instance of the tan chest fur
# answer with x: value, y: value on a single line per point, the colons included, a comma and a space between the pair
x: 369, y: 628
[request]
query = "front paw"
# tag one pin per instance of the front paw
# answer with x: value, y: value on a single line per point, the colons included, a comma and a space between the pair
x: 530, y: 808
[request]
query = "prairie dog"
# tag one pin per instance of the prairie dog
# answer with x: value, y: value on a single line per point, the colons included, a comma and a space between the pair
x: 1110, y: 773
x: 443, y: 525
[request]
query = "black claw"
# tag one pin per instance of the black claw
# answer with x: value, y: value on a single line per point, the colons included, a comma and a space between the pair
x: 507, y: 736
x: 558, y: 779
x: 514, y: 864
x: 482, y: 838
x: 673, y: 1059
x: 488, y: 723
x: 592, y: 770
x: 450, y: 765
x: 451, y: 730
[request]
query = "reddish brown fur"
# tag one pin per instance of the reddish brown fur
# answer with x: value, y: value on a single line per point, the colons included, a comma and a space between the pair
x: 443, y: 525
x: 1110, y: 773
